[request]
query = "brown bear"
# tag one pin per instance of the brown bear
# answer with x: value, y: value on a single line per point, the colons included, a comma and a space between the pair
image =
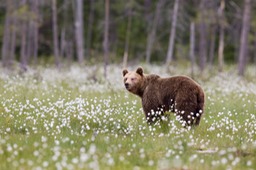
x: 178, y: 94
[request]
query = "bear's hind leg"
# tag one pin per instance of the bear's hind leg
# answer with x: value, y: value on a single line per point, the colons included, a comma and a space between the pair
x: 153, y: 115
x: 186, y: 109
x: 198, y: 120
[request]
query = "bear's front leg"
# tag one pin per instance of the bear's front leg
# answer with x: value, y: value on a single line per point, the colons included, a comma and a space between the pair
x: 150, y: 115
x: 151, y: 110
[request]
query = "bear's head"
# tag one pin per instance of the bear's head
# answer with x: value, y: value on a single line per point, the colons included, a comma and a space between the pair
x: 133, y: 80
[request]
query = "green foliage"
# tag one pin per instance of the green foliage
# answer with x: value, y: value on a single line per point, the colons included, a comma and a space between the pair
x: 142, y: 14
x: 230, y: 54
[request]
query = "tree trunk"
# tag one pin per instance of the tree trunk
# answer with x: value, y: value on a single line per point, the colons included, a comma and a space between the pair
x: 212, y: 44
x: 202, y: 36
x: 63, y: 43
x: 127, y: 37
x: 6, y: 35
x: 35, y: 30
x: 55, y: 34
x: 13, y: 41
x: 106, y: 38
x: 221, y: 36
x: 64, y: 32
x: 238, y: 13
x: 147, y: 10
x: 79, y: 30
x: 254, y: 47
x: 24, y: 33
x: 90, y: 27
x: 148, y: 15
x: 192, y: 47
x: 70, y: 50
x: 244, y: 37
x: 29, y: 45
x: 152, y: 33
x: 169, y: 56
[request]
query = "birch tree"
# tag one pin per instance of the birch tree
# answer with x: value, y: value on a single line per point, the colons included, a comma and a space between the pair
x: 90, y: 26
x: 106, y: 38
x: 244, y: 37
x: 55, y: 33
x: 7, y: 35
x: 24, y: 34
x: 34, y: 26
x: 79, y: 30
x: 169, y: 56
x: 152, y: 33
x: 127, y: 36
x: 221, y: 35
x: 202, y: 35
x: 67, y: 40
x: 192, y: 47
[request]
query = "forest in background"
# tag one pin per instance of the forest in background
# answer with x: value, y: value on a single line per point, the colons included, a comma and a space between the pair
x: 202, y: 32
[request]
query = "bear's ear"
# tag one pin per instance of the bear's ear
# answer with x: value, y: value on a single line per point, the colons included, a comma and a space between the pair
x: 139, y: 71
x: 125, y: 71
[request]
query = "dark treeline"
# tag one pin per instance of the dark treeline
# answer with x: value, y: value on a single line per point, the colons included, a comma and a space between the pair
x: 203, y: 32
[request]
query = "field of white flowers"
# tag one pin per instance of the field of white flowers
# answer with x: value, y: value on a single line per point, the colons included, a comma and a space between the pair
x: 74, y: 119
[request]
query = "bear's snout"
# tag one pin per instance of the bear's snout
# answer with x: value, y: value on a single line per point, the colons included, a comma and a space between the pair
x: 126, y: 85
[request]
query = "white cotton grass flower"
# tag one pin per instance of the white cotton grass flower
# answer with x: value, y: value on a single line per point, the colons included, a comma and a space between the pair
x: 150, y: 162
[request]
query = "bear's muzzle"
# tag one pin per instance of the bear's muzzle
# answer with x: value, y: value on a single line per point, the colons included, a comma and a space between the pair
x: 126, y: 85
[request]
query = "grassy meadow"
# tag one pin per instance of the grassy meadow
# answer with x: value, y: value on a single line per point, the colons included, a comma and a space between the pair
x: 74, y: 119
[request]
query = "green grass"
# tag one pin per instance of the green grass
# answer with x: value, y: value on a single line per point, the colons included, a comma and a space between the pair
x: 57, y: 124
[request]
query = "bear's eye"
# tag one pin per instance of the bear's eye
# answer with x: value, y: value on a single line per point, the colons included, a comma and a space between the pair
x: 133, y: 79
x: 125, y: 79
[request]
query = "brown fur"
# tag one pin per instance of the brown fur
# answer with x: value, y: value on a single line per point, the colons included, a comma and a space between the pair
x: 178, y: 94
